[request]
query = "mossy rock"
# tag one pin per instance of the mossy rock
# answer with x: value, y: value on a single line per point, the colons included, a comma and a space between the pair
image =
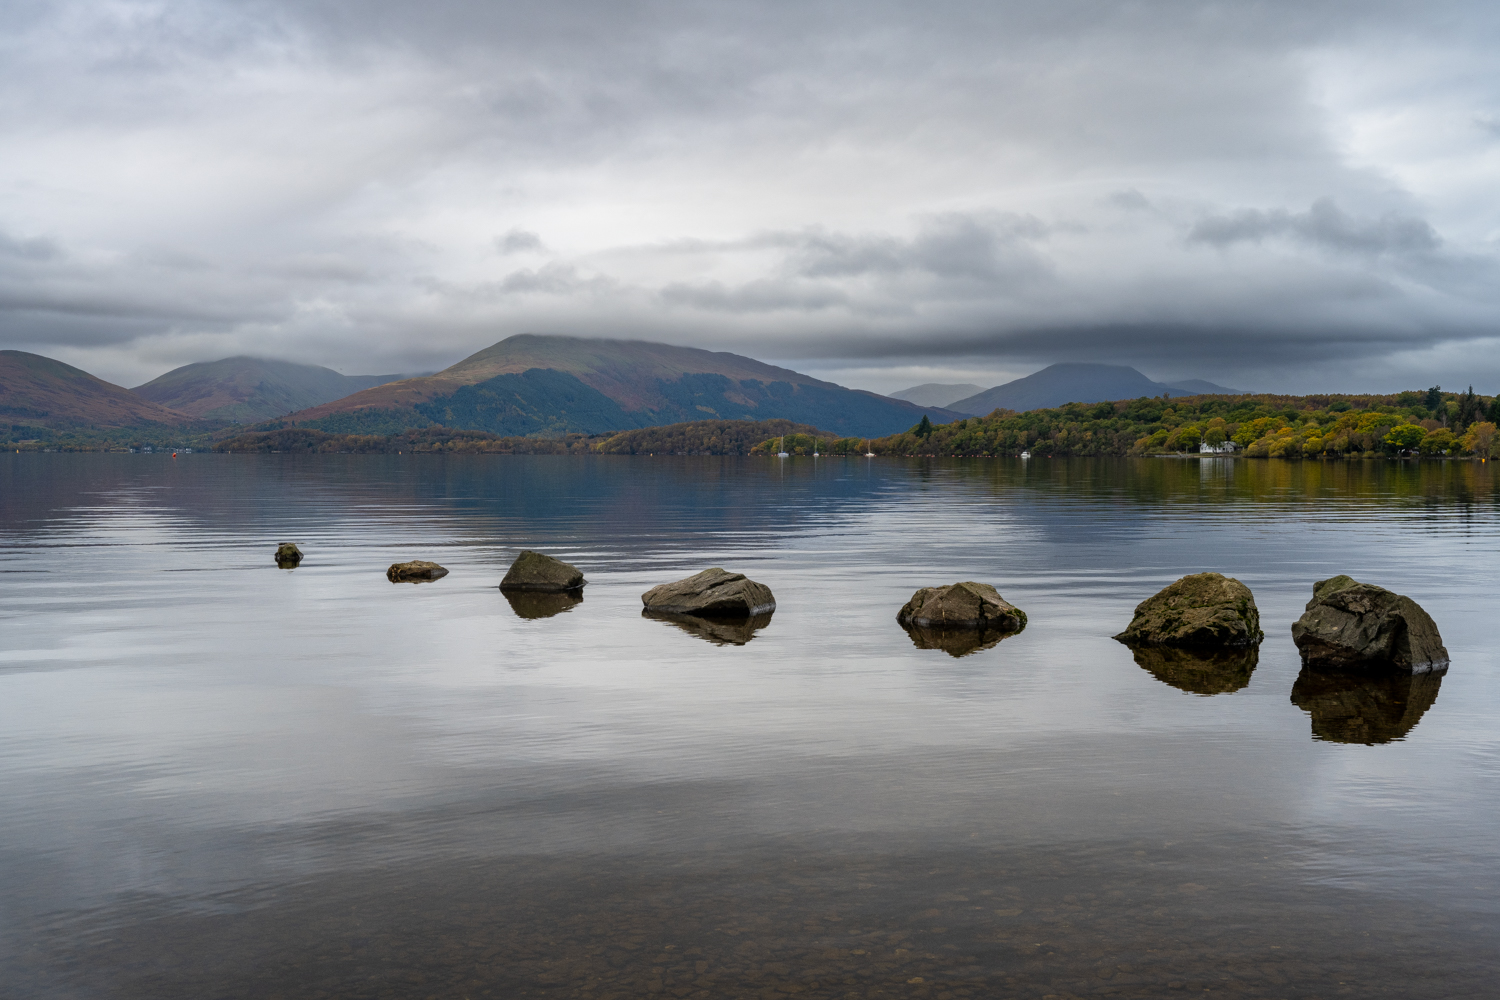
x: 713, y: 593
x: 966, y: 605
x: 1204, y: 609
x: 536, y: 571
x: 1350, y: 625
x: 416, y: 571
x: 288, y: 556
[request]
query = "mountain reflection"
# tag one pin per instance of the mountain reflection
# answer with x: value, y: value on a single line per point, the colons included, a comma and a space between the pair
x: 1198, y: 671
x: 1350, y: 708
x: 719, y: 631
x: 541, y: 604
x: 954, y: 641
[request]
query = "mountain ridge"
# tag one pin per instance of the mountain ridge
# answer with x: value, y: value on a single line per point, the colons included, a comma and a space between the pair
x: 38, y: 391
x: 1075, y: 382
x: 247, y: 389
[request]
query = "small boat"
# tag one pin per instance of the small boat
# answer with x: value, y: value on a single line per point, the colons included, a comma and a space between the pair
x: 1025, y: 454
x: 781, y: 447
x: 815, y: 447
x: 868, y: 452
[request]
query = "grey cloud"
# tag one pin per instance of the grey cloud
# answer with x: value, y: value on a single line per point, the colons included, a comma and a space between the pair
x: 1324, y: 225
x: 519, y: 241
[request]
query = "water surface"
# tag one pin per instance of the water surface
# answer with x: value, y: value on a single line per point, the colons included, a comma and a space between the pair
x: 224, y: 779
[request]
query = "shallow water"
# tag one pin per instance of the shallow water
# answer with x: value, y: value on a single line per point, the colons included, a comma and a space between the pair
x: 224, y: 779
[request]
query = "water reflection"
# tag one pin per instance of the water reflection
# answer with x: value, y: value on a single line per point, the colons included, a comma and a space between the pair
x: 719, y: 631
x: 1368, y: 709
x: 1198, y: 671
x: 542, y: 604
x: 954, y: 641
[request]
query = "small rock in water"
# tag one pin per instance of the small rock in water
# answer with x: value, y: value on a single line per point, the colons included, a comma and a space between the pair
x: 1204, y: 609
x: 714, y: 593
x: 416, y: 571
x: 962, y: 605
x: 535, y: 571
x: 1350, y: 625
x: 288, y: 555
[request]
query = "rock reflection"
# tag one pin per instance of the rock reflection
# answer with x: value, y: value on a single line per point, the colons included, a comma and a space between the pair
x: 719, y: 631
x: 1364, y: 708
x: 542, y: 604
x: 1204, y: 671
x: 954, y: 641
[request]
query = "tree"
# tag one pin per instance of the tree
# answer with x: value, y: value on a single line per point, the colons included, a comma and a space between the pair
x: 1437, y: 442
x: 1468, y: 410
x: 1433, y: 398
x: 1406, y: 437
x: 1481, y: 439
x: 924, y: 428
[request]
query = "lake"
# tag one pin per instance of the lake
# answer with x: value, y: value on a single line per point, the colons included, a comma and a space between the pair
x: 225, y: 779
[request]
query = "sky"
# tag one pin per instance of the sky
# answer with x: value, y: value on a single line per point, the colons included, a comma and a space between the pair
x: 1291, y: 197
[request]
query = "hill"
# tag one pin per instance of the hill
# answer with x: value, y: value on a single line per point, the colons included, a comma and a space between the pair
x: 247, y: 390
x: 532, y: 385
x: 937, y: 393
x: 1203, y: 387
x: 38, y: 392
x: 1065, y: 383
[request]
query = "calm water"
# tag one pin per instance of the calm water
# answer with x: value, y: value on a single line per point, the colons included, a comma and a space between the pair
x: 222, y: 779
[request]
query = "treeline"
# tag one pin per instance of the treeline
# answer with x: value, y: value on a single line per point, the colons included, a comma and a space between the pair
x: 698, y: 437
x: 1427, y: 423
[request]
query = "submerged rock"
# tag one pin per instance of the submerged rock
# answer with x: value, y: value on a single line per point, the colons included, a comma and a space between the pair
x: 713, y: 593
x: 535, y: 571
x: 534, y: 604
x: 962, y: 606
x: 416, y: 571
x: 288, y: 555
x: 955, y: 642
x: 719, y: 631
x: 1365, y: 708
x: 1350, y: 625
x: 1203, y: 670
x: 1204, y: 609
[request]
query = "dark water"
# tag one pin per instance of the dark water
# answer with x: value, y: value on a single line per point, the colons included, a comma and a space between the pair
x: 222, y: 779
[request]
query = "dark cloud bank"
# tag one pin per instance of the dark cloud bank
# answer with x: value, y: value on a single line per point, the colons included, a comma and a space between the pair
x: 1285, y: 196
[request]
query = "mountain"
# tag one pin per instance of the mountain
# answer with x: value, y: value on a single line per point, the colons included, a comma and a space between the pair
x: 1201, y: 387
x: 40, y: 392
x: 531, y: 384
x: 247, y: 390
x: 936, y: 393
x: 1076, y: 383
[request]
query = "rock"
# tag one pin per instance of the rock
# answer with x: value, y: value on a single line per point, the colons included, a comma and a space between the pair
x: 955, y: 642
x: 714, y: 593
x: 1358, y: 626
x: 1362, y: 708
x: 962, y: 605
x: 1198, y: 670
x: 416, y: 571
x: 719, y: 631
x: 1204, y: 609
x: 288, y: 555
x: 535, y: 571
x: 534, y: 604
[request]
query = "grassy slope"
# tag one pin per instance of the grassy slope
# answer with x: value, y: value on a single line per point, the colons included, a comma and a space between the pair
x: 41, y: 393
x: 248, y: 390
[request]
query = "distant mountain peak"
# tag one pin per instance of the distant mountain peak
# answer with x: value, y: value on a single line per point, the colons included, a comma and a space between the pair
x: 1077, y: 382
x: 249, y: 389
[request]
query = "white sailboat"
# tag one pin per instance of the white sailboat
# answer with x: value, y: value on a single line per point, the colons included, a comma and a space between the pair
x: 815, y: 447
x: 868, y: 452
x: 781, y: 447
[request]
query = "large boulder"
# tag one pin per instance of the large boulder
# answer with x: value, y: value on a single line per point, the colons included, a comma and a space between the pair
x: 288, y: 556
x: 714, y: 593
x: 1350, y: 625
x: 416, y: 571
x: 535, y: 571
x: 1364, y: 708
x: 1204, y: 609
x: 961, y: 606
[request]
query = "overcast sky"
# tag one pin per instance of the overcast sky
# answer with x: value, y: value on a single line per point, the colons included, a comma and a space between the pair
x: 1289, y: 196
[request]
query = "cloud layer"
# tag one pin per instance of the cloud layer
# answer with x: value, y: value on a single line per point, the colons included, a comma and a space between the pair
x: 1295, y: 196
